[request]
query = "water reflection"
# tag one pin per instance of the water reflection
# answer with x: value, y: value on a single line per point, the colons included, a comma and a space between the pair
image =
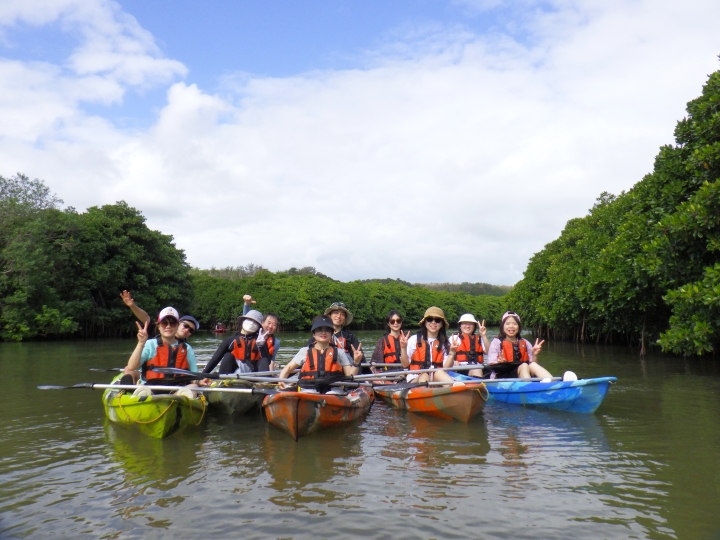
x: 163, y: 463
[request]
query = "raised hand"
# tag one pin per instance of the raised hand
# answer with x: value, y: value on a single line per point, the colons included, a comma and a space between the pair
x: 357, y: 353
x: 142, y: 334
x: 248, y: 299
x: 262, y: 336
x: 127, y: 298
x: 481, y: 329
x: 537, y: 347
x: 454, y: 342
x: 404, y: 338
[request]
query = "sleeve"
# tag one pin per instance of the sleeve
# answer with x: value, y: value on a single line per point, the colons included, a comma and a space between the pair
x: 218, y: 354
x: 494, y: 352
x: 246, y: 308
x: 378, y: 354
x: 276, y: 348
x: 528, y: 346
x: 191, y: 358
x: 300, y: 356
x: 344, y: 359
x: 149, y: 351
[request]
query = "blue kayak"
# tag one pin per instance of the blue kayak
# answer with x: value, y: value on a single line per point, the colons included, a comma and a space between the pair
x: 583, y: 396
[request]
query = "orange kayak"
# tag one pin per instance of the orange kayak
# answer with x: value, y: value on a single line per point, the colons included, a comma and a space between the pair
x: 462, y: 403
x: 302, y: 413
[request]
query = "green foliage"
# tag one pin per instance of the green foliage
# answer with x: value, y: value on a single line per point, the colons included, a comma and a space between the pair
x: 61, y: 271
x: 643, y: 265
x: 475, y: 289
x: 297, y: 298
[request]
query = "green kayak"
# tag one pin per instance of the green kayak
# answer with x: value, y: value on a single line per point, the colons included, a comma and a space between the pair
x: 158, y: 415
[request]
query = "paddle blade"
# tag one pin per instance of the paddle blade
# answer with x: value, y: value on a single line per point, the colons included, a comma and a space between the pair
x: 106, y: 370
x: 79, y: 385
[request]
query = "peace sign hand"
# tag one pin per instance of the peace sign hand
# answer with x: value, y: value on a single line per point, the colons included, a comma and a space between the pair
x: 481, y: 329
x: 404, y: 339
x: 142, y: 334
x: 357, y: 353
x: 454, y: 342
x: 262, y: 337
x: 537, y: 347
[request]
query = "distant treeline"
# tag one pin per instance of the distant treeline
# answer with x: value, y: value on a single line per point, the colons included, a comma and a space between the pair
x: 298, y: 296
x: 61, y: 273
x: 473, y: 289
x: 643, y: 267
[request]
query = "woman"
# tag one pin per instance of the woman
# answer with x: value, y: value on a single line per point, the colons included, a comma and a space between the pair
x: 509, y: 346
x: 270, y: 324
x: 323, y: 356
x: 471, y: 347
x: 429, y: 348
x: 163, y: 351
x: 187, y: 327
x: 245, y: 352
x: 388, y: 349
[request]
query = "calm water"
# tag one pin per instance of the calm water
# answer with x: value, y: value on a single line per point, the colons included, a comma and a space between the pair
x: 646, y: 465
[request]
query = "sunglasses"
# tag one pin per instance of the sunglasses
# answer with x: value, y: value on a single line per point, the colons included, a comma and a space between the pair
x: 189, y: 327
x: 168, y: 321
x: 395, y: 321
x: 434, y: 320
x: 338, y: 305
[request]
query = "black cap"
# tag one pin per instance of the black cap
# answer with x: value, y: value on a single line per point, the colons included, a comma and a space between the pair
x: 321, y: 321
x: 191, y: 319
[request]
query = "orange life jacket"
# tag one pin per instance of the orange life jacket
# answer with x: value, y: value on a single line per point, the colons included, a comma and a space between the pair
x: 244, y: 348
x: 391, y: 349
x: 166, y: 356
x: 470, y: 349
x: 270, y: 344
x: 513, y: 352
x: 319, y: 363
x: 421, y: 358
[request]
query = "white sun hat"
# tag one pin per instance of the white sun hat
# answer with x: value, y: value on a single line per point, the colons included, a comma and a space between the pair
x: 468, y: 317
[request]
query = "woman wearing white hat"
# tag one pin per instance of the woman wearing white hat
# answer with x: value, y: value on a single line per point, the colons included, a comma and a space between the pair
x: 471, y: 347
x: 241, y: 353
x: 163, y: 351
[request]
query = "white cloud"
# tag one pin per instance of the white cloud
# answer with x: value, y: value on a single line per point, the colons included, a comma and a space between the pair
x: 450, y: 157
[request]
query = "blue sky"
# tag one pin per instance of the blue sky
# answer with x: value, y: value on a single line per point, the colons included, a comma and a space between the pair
x: 430, y: 140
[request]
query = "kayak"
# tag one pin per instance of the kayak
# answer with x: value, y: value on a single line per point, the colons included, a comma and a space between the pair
x: 219, y: 330
x: 158, y: 415
x: 302, y: 413
x: 582, y: 396
x: 234, y: 403
x: 461, y: 403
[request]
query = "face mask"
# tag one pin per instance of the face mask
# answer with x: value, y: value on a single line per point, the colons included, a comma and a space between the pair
x: 250, y: 326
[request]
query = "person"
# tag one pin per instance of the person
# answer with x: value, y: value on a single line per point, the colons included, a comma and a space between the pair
x: 165, y: 350
x: 245, y: 352
x: 429, y: 348
x: 187, y: 327
x: 324, y: 356
x: 471, y: 347
x: 510, y: 346
x: 388, y: 349
x: 271, y: 323
x: 340, y: 316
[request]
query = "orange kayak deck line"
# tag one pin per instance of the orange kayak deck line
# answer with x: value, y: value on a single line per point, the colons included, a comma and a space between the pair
x: 302, y: 413
x: 461, y: 403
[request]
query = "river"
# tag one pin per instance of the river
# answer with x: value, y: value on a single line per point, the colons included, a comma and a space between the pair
x: 645, y: 465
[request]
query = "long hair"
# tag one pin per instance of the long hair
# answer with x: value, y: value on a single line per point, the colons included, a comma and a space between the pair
x: 501, y: 334
x: 442, y: 336
x: 389, y: 316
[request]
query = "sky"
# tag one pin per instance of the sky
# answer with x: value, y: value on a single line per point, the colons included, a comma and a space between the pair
x: 426, y: 140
